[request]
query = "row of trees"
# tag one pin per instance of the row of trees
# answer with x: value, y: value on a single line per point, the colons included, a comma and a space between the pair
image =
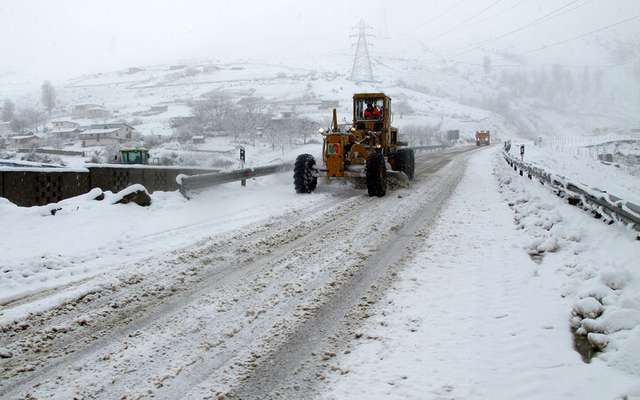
x: 30, y: 117
x: 245, y: 120
x: 557, y: 86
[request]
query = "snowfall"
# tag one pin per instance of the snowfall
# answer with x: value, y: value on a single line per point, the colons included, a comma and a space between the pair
x: 486, y: 310
x: 514, y: 293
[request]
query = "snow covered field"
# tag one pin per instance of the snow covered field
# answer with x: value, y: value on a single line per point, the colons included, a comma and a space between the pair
x: 473, y: 316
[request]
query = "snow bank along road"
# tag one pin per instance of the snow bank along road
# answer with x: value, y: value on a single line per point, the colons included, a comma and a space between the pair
x: 252, y: 313
x: 484, y: 310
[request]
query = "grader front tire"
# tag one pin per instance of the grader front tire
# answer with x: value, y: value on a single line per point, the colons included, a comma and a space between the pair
x: 376, y: 175
x: 305, y: 178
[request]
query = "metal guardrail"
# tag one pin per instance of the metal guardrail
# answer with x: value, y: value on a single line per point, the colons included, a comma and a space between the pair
x: 434, y: 147
x: 597, y: 202
x: 201, y: 181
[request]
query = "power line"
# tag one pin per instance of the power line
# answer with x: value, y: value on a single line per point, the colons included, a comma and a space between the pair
x: 581, y: 36
x: 463, y: 23
x: 556, y: 12
x: 497, y: 13
x: 445, y: 12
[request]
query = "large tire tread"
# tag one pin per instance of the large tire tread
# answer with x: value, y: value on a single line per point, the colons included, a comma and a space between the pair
x: 305, y: 178
x: 376, y: 175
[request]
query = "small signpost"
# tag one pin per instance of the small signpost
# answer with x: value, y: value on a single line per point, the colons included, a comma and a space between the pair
x: 522, y: 152
x: 243, y: 182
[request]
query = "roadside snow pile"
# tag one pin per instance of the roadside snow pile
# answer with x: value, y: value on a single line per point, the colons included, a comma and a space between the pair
x: 599, y: 262
x: 472, y: 316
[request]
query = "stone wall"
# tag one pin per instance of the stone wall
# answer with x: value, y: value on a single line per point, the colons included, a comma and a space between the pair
x: 30, y: 187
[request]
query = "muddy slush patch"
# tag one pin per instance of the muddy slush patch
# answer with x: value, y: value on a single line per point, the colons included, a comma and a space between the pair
x: 583, y: 347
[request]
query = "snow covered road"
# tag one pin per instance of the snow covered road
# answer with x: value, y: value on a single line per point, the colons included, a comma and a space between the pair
x: 213, y: 317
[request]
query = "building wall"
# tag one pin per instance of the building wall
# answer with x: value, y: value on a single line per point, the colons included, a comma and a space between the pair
x: 35, y: 188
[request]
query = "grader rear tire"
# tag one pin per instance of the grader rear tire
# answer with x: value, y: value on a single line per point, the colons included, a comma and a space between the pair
x: 376, y: 175
x: 305, y: 178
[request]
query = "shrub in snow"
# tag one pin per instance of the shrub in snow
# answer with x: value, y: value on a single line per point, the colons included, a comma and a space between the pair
x: 615, y: 279
x: 549, y: 245
x: 588, y: 308
x: 613, y: 320
x: 598, y: 340
x: 596, y: 290
x: 42, y: 158
x: 6, y: 155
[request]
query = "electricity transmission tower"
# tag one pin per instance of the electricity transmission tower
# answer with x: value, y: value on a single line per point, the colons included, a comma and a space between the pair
x: 362, y: 70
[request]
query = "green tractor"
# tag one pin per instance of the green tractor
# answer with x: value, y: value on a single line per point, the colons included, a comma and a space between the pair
x: 134, y: 156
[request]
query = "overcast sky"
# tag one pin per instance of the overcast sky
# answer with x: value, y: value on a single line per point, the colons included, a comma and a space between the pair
x: 63, y: 38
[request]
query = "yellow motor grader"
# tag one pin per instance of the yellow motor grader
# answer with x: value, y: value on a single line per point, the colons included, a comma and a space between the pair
x: 368, y: 149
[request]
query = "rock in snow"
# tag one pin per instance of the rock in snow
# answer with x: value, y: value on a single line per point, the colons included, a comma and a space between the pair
x: 134, y: 193
x: 4, y: 353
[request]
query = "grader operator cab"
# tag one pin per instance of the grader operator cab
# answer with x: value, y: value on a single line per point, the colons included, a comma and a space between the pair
x: 369, y: 148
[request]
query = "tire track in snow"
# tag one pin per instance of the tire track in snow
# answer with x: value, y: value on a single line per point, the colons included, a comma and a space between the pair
x: 139, y: 340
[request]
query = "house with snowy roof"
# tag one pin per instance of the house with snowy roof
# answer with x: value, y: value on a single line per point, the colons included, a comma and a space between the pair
x: 64, y: 129
x: 106, y: 134
x: 90, y: 111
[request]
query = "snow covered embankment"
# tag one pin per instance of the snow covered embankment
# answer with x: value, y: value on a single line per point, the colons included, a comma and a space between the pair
x: 597, y: 264
x: 473, y: 316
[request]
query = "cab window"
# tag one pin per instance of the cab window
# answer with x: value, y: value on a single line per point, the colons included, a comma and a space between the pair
x: 369, y: 109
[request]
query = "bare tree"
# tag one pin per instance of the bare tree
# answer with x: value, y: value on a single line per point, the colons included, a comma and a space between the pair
x: 8, y: 109
x: 48, y: 96
x: 18, y: 124
x: 219, y: 113
x: 32, y: 117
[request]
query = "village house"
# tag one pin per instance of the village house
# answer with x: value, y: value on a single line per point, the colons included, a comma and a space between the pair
x: 64, y: 129
x: 106, y: 134
x: 61, y: 124
x: 90, y: 111
x: 23, y: 141
x: 198, y: 139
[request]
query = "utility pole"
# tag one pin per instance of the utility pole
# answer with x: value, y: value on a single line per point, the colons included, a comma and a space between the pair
x: 362, y: 70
